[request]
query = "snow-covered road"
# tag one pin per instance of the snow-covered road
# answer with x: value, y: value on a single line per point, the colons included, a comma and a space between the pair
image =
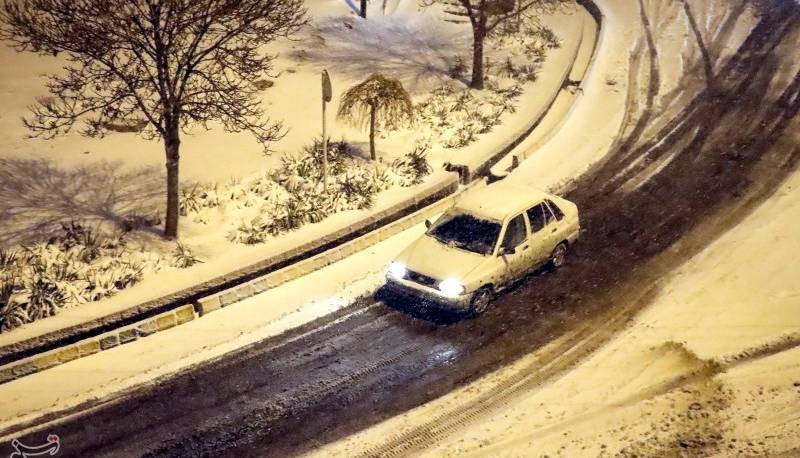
x: 293, y: 393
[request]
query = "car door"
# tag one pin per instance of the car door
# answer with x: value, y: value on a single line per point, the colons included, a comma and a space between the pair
x: 544, y: 231
x: 560, y: 227
x: 515, y: 248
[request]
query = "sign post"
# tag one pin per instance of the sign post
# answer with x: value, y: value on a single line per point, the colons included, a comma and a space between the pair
x: 327, y: 93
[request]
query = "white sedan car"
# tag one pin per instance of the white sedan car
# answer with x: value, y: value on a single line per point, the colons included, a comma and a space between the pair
x: 487, y: 241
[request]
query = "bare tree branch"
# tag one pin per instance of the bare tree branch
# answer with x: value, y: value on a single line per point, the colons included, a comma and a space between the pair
x: 175, y: 63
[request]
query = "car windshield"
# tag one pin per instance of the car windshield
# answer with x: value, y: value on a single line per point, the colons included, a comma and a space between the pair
x: 459, y: 229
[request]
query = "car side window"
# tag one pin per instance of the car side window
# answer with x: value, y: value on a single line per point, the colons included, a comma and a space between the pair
x: 537, y: 218
x: 515, y: 232
x: 556, y: 211
x: 548, y: 215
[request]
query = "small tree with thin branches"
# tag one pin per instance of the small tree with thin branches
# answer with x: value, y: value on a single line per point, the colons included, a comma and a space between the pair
x: 174, y: 63
x: 377, y: 103
x: 484, y: 16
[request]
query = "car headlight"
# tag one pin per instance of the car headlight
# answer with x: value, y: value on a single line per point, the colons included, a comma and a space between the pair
x: 451, y: 287
x: 397, y: 270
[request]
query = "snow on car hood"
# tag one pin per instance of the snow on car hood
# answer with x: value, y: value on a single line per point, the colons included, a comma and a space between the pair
x: 434, y: 259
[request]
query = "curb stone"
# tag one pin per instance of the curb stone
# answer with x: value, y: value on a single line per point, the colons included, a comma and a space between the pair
x: 96, y: 344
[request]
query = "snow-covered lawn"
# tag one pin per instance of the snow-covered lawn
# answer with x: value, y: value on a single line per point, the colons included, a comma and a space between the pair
x: 233, y: 195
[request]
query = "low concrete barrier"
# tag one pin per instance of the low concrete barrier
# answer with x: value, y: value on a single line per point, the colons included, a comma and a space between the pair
x: 92, y: 345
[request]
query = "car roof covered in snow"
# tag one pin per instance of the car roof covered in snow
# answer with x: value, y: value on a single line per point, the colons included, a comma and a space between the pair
x: 500, y: 200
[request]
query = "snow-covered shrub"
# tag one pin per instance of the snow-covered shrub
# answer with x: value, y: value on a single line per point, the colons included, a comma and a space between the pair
x: 126, y: 273
x: 358, y: 189
x: 12, y: 314
x: 44, y: 297
x: 338, y: 153
x: 8, y: 260
x: 462, y: 101
x: 182, y: 257
x: 535, y: 52
x: 295, y: 195
x: 295, y: 213
x: 77, y: 265
x: 198, y: 198
x: 549, y: 38
x: 509, y: 93
x: 250, y: 232
x: 265, y: 187
x: 461, y: 137
x: 413, y: 166
x: 457, y: 117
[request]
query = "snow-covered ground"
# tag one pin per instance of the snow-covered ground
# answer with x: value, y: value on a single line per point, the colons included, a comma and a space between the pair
x: 270, y: 313
x: 266, y: 314
x: 413, y: 45
x: 44, y: 182
x: 701, y: 366
x: 709, y: 368
x: 590, y: 126
x: 701, y: 369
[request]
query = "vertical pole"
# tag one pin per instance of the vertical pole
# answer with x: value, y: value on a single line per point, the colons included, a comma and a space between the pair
x: 324, y: 148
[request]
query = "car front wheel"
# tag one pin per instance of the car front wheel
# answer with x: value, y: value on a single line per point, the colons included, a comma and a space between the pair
x: 481, y: 299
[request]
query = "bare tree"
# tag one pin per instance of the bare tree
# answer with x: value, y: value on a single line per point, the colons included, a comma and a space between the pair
x: 175, y: 63
x: 378, y: 102
x: 484, y: 16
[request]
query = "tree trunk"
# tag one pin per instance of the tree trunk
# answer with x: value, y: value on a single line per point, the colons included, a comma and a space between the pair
x: 364, y: 9
x: 372, y: 115
x: 172, y: 145
x: 478, y: 34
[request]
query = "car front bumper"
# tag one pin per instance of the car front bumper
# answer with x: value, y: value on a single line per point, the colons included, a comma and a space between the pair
x: 408, y: 287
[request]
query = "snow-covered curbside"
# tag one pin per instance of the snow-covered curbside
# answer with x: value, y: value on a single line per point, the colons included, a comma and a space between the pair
x: 548, y: 88
x: 589, y: 128
x: 211, y: 296
x: 90, y: 346
x: 214, y: 302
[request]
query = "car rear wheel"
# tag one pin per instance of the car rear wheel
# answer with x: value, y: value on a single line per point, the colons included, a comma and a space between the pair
x: 559, y: 255
x: 481, y: 299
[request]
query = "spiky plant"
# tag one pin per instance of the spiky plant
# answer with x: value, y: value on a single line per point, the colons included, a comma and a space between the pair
x: 8, y: 259
x: 377, y: 103
x: 413, y: 166
x: 182, y: 257
x: 12, y: 313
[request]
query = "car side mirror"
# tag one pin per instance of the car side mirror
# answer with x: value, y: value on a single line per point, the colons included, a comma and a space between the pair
x: 428, y: 224
x: 505, y: 251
